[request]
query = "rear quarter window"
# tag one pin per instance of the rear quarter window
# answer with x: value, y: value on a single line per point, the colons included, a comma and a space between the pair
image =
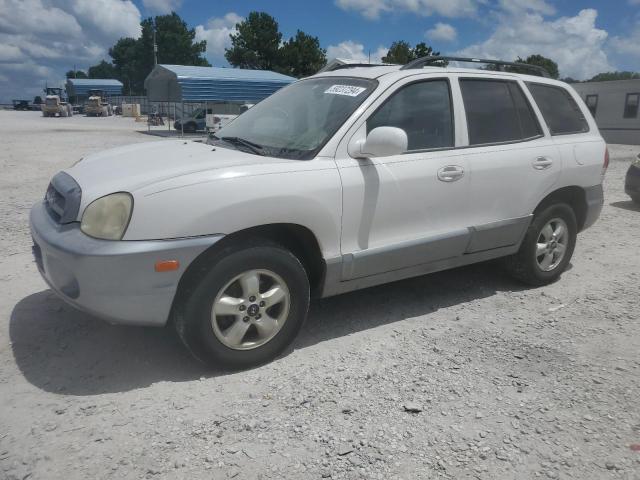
x: 559, y: 109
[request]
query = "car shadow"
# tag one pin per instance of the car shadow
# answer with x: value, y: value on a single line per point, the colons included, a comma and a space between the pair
x: 627, y: 205
x: 62, y: 350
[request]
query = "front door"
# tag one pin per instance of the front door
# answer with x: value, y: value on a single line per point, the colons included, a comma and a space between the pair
x: 410, y: 209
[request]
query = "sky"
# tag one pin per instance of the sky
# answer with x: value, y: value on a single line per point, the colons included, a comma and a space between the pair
x: 41, y: 39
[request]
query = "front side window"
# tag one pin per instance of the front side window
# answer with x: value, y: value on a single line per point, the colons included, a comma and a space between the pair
x: 592, y: 104
x: 497, y: 111
x: 559, y: 109
x: 296, y: 121
x: 631, y: 105
x: 423, y: 110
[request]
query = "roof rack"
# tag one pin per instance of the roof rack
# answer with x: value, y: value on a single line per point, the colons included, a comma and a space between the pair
x: 422, y: 61
x: 353, y: 65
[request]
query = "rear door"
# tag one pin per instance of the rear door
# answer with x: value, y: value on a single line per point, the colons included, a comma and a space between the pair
x: 580, y: 145
x: 513, y: 160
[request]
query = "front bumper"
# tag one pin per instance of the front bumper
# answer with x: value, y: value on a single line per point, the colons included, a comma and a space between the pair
x: 632, y: 182
x: 114, y: 280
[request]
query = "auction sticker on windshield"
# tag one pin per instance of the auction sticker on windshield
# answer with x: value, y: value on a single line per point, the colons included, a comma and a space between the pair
x: 349, y: 90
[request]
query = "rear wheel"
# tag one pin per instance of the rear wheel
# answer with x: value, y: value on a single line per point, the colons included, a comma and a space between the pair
x: 246, y: 309
x: 547, y: 246
x: 190, y: 127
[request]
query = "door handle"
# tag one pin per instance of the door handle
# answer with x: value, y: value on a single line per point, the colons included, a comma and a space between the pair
x: 542, y: 163
x: 450, y: 173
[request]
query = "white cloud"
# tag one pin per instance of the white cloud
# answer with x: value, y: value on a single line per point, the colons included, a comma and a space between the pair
x: 162, y: 6
x: 9, y: 53
x: 538, y: 6
x: 355, y: 51
x: 42, y: 39
x: 442, y: 31
x: 575, y: 43
x: 447, y: 8
x: 18, y: 16
x: 628, y: 45
x: 107, y: 19
x: 216, y: 32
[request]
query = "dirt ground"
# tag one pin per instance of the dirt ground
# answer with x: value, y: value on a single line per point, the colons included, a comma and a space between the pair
x: 504, y: 381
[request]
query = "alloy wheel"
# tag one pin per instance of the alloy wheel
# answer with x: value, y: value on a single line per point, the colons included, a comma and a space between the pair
x: 552, y: 244
x: 250, y: 309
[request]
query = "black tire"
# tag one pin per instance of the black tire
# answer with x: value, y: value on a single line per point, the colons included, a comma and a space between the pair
x: 190, y: 127
x: 635, y: 198
x: 524, y: 266
x: 192, y: 315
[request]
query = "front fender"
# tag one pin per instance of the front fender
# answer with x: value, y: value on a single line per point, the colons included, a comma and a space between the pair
x: 310, y: 198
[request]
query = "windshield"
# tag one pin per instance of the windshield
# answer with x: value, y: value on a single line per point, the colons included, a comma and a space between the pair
x: 298, y: 120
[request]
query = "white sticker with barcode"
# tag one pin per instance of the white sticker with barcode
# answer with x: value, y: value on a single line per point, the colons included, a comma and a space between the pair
x: 350, y: 90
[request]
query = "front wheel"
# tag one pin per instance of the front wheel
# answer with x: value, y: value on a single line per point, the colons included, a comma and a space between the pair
x: 246, y: 309
x: 547, y: 246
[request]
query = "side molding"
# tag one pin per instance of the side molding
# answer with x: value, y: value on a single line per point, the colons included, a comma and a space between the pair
x: 412, y: 258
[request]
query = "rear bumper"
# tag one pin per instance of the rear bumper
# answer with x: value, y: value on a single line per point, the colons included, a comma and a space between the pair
x: 595, y: 200
x: 114, y: 280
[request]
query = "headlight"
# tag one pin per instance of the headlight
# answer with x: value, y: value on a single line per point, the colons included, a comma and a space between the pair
x: 108, y: 216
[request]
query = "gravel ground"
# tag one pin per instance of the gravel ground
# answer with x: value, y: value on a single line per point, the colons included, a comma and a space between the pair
x: 461, y: 374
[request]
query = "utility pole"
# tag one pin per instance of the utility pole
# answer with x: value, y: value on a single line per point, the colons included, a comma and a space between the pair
x: 155, y: 46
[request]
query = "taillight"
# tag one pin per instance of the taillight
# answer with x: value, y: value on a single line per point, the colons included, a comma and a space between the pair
x: 605, y: 165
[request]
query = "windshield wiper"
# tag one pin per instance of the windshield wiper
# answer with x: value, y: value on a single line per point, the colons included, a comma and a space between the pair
x: 254, y: 147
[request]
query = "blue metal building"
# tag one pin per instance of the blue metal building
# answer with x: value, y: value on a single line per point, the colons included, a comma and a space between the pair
x: 79, y: 87
x: 179, y: 83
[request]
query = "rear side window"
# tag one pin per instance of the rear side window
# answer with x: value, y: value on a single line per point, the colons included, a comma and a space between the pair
x: 559, y: 109
x: 423, y: 111
x: 631, y: 105
x: 497, y: 111
x: 592, y: 104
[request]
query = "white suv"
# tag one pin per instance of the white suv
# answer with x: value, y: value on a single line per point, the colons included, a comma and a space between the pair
x: 340, y: 181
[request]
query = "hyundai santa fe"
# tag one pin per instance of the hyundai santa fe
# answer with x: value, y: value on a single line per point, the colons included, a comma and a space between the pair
x: 341, y: 181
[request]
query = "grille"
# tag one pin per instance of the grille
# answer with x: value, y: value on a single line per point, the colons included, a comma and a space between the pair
x: 63, y: 198
x: 52, y: 102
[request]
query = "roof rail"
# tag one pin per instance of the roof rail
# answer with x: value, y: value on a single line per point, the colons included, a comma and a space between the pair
x: 353, y: 65
x: 422, y: 61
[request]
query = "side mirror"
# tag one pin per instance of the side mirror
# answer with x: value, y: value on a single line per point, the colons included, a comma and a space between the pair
x: 382, y: 142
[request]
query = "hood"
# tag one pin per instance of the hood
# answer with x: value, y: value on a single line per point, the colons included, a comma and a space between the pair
x: 151, y: 166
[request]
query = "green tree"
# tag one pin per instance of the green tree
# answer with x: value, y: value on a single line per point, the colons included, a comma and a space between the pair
x: 424, y: 50
x: 301, y: 56
x: 102, y: 70
x: 540, y: 61
x: 400, y: 52
x: 607, y: 76
x: 76, y: 74
x: 124, y: 54
x: 256, y: 43
x: 133, y: 59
